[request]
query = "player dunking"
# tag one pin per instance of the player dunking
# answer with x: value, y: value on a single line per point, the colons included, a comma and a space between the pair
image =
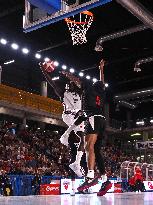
x: 94, y: 99
x: 70, y: 95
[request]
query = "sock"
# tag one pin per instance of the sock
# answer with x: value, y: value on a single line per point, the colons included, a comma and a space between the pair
x: 104, y: 178
x: 78, y: 157
x: 90, y: 174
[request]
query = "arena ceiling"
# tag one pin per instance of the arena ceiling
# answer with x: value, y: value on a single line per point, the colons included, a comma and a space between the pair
x: 120, y: 54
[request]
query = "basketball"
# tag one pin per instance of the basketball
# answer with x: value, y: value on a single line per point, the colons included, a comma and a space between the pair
x: 49, y: 66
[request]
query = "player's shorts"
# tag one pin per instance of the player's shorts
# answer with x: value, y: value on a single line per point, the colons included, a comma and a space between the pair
x: 69, y: 119
x: 95, y: 125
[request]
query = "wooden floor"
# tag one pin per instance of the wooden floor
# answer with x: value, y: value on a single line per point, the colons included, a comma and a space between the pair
x: 79, y: 199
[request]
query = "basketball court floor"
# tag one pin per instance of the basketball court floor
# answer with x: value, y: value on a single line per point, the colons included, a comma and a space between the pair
x: 79, y: 199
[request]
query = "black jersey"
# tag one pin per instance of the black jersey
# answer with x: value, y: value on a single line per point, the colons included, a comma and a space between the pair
x: 94, y: 98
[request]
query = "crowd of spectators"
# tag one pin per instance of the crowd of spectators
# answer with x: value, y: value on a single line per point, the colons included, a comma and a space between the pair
x: 113, y: 157
x: 32, y: 151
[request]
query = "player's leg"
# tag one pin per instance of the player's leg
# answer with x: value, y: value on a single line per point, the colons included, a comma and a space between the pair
x: 90, y: 139
x: 69, y: 120
x: 93, y: 149
x: 90, y: 143
x: 73, y: 126
x: 76, y: 166
x: 73, y: 152
x: 99, y: 158
x: 101, y: 167
x: 79, y: 131
x: 90, y: 177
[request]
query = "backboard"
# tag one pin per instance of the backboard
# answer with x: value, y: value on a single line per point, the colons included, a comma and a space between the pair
x: 40, y: 13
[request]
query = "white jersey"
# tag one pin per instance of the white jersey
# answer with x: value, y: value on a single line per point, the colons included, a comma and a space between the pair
x: 72, y: 101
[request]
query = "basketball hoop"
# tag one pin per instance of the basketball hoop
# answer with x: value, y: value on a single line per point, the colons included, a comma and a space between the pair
x: 78, y: 29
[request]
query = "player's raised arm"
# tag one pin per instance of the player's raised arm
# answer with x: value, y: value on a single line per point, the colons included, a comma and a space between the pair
x: 46, y: 68
x: 101, y: 68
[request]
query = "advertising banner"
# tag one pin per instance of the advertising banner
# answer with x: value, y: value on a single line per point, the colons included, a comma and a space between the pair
x: 144, y: 145
x: 50, y: 189
x: 117, y: 188
x: 66, y: 186
x: 148, y: 185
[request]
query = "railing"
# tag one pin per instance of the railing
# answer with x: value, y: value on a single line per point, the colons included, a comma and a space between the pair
x: 20, y: 97
x: 22, y: 184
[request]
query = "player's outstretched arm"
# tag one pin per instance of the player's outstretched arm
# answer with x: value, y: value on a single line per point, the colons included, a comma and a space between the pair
x: 53, y: 84
x: 101, y: 68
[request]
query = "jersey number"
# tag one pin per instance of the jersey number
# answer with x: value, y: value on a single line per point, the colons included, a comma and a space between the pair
x: 98, y: 101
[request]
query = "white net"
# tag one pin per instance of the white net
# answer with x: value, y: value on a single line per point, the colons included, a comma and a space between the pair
x: 78, y: 30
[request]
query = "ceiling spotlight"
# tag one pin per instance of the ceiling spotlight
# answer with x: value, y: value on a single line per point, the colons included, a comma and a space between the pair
x: 9, y: 62
x: 55, y: 78
x: 72, y: 70
x: 94, y: 80
x: 3, y: 41
x: 46, y: 59
x: 56, y: 63
x: 88, y: 77
x: 64, y: 67
x: 140, y: 122
x: 25, y: 50
x: 135, y: 134
x: 14, y: 46
x: 81, y: 74
x: 37, y: 55
x: 106, y: 85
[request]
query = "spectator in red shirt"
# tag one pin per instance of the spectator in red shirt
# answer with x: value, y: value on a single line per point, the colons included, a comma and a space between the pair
x: 138, y: 179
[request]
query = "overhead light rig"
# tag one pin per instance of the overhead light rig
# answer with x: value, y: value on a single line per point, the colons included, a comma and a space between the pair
x: 38, y: 56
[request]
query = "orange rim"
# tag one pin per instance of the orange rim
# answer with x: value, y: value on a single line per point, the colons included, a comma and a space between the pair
x: 68, y: 20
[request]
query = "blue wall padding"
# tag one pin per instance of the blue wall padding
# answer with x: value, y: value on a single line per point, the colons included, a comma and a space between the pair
x: 50, y: 6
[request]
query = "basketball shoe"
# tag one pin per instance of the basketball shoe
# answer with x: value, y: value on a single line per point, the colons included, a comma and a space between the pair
x: 88, y: 183
x: 104, y: 188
